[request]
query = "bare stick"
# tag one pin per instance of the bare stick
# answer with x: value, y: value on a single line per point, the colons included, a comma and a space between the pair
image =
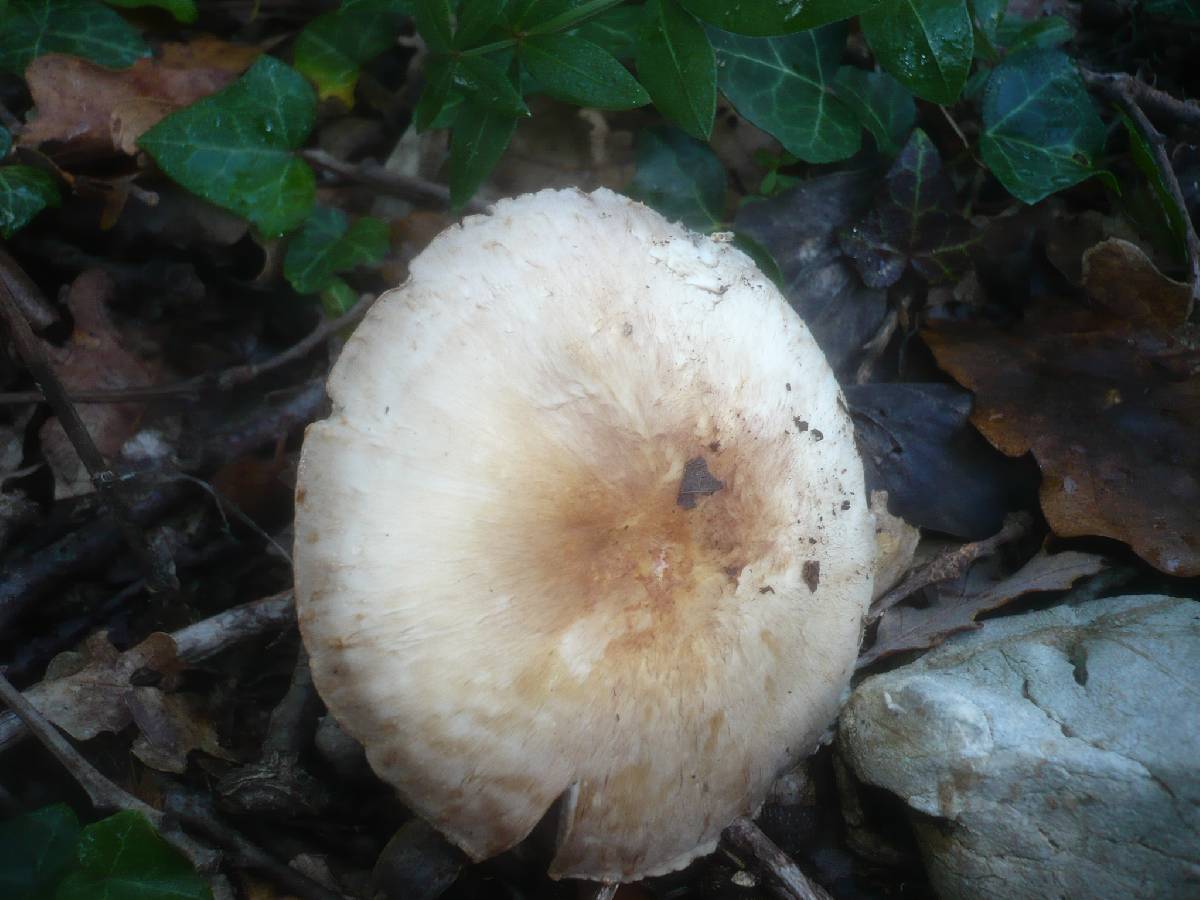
x: 1157, y: 103
x: 104, y: 794
x: 1129, y: 93
x: 192, y: 644
x: 157, y: 564
x: 789, y: 881
x: 406, y: 187
x: 224, y: 380
x: 951, y: 563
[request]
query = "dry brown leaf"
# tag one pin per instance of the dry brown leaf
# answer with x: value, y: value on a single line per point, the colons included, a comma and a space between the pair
x: 172, y: 726
x: 93, y: 698
x: 956, y: 605
x: 1106, y: 397
x: 90, y: 112
x: 895, y: 545
x: 94, y: 358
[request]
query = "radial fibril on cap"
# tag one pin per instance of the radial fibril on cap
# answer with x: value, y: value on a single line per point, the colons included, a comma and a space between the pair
x: 563, y: 535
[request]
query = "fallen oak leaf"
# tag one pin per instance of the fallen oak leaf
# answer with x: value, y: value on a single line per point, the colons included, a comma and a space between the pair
x: 1107, y: 399
x: 956, y: 605
x: 171, y: 726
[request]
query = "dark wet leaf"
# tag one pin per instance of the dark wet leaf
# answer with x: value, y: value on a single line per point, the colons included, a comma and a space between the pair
x: 24, y: 192
x: 927, y: 45
x: 677, y: 65
x: 235, y: 147
x: 680, y: 177
x: 768, y: 17
x: 183, y: 10
x: 332, y: 47
x: 477, y: 141
x: 1107, y: 399
x: 35, y: 850
x: 1041, y: 130
x: 328, y: 244
x: 784, y: 86
x: 29, y: 28
x: 124, y: 858
x: 915, y: 220
x: 798, y: 227
x: 918, y: 445
x: 615, y: 30
x: 575, y: 70
x: 881, y: 104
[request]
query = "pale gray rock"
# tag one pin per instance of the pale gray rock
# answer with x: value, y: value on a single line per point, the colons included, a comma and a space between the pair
x: 1049, y: 755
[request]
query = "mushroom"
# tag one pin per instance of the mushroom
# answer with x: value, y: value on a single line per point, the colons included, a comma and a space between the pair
x: 586, y: 525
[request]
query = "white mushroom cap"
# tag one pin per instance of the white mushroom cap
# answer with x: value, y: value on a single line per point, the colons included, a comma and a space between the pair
x: 505, y: 595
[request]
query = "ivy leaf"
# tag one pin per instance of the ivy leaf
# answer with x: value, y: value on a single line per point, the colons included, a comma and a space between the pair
x: 578, y: 71
x: 124, y: 858
x: 881, y: 104
x: 24, y: 192
x: 680, y: 177
x: 1187, y: 10
x: 783, y: 85
x: 771, y: 17
x: 489, y: 86
x: 29, y: 28
x: 914, y: 220
x: 338, y: 298
x: 677, y: 65
x: 987, y: 16
x: 477, y: 142
x: 329, y: 244
x: 1049, y: 31
x: 1041, y: 130
x: 927, y: 45
x: 183, y: 10
x: 332, y: 47
x: 235, y: 147
x: 615, y: 30
x: 35, y: 849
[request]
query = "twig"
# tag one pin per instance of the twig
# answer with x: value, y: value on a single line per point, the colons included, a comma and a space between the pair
x: 195, y: 643
x: 95, y: 542
x: 36, y: 308
x: 406, y: 187
x: 104, y: 794
x: 196, y: 812
x: 155, y: 562
x: 1129, y: 93
x: 224, y: 380
x: 293, y: 715
x: 951, y: 563
x: 789, y: 881
x: 873, y: 349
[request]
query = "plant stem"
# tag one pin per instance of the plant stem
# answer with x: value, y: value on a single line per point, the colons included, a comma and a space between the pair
x: 569, y: 19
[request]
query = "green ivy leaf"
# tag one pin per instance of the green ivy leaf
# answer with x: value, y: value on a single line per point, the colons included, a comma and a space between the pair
x: 5, y: 141
x: 680, y: 177
x: 1170, y: 214
x: 783, y: 85
x: 1041, y: 130
x: 329, y: 244
x: 124, y: 858
x: 183, y: 10
x: 36, y: 848
x: 914, y: 221
x: 578, y: 71
x: 1049, y: 31
x: 338, y: 298
x: 677, y: 65
x: 1187, y: 10
x: 987, y: 15
x: 477, y: 142
x: 771, y: 17
x: 927, y: 45
x: 881, y: 104
x: 235, y: 147
x: 615, y: 30
x: 24, y: 192
x: 762, y: 257
x: 333, y: 46
x: 29, y: 28
x: 488, y: 85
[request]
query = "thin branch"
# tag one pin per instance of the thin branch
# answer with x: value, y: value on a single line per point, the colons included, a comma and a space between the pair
x: 156, y: 562
x: 406, y: 187
x: 224, y: 380
x: 1129, y: 94
x: 951, y: 563
x: 789, y: 880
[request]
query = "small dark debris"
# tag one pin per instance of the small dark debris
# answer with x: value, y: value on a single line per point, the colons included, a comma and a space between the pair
x: 627, y: 329
x: 767, y: 589
x: 697, y: 482
x: 788, y: 385
x: 817, y: 435
x: 733, y: 572
x: 801, y: 425
x: 845, y: 504
x: 811, y: 573
x: 715, y: 446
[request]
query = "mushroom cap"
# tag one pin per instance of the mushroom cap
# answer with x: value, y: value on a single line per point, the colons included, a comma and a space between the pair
x: 587, y: 521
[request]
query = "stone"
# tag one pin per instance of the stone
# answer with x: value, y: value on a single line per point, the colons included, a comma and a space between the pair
x: 1054, y: 754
